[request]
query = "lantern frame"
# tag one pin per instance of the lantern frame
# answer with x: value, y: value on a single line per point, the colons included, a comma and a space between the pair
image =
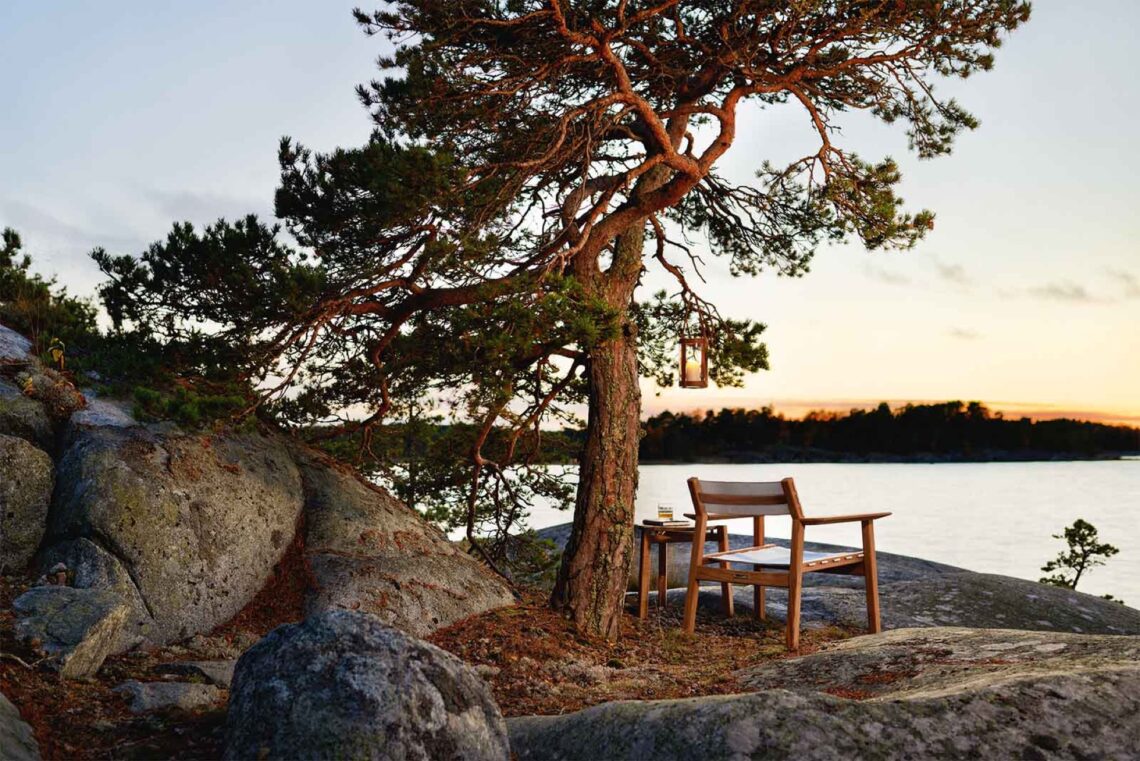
x: 698, y: 344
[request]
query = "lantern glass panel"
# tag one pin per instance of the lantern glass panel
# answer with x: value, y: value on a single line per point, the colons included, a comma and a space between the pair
x: 694, y: 363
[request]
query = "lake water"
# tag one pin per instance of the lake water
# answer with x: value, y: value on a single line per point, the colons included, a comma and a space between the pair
x: 989, y: 517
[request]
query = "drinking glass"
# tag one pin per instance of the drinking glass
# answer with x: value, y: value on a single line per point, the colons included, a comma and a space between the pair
x: 664, y: 511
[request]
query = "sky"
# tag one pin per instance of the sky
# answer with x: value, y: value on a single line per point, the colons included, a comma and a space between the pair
x: 117, y: 119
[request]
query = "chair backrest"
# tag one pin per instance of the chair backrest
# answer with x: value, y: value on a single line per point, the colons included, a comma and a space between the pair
x: 745, y: 499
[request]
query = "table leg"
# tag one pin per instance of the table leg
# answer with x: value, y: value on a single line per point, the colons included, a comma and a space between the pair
x: 643, y: 577
x: 725, y: 587
x: 662, y: 573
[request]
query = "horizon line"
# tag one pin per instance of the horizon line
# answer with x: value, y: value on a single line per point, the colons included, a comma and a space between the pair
x: 798, y: 408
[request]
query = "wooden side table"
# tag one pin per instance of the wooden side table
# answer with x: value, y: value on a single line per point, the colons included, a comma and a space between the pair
x: 663, y: 537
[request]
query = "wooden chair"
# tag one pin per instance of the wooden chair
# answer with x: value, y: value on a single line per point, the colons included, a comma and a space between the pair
x: 773, y: 566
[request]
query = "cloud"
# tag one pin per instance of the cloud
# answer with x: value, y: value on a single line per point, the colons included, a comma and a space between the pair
x: 202, y: 208
x: 964, y: 333
x: 1129, y: 283
x: 1064, y: 291
x: 47, y: 233
x: 21, y: 214
x: 885, y: 276
x: 954, y: 273
x: 59, y: 244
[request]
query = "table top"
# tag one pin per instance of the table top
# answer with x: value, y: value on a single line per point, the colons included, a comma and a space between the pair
x: 668, y: 529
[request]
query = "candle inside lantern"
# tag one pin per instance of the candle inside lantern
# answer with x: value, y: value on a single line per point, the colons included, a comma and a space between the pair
x: 692, y: 369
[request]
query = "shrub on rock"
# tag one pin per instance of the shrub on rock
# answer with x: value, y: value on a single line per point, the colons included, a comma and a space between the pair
x: 58, y: 395
x: 342, y: 685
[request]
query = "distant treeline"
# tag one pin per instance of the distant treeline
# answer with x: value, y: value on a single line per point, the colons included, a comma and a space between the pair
x: 952, y: 431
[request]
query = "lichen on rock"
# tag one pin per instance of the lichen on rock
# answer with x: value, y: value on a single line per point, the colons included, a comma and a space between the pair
x: 146, y: 697
x: 195, y: 522
x: 343, y: 685
x: 76, y: 629
x: 24, y: 417
x: 919, y: 693
x: 370, y: 552
x: 27, y: 477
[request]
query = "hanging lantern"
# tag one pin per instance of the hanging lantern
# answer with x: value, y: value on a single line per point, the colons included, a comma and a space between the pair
x: 694, y: 361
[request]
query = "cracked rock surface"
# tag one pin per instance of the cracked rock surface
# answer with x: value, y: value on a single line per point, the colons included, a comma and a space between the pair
x: 218, y: 673
x: 75, y: 628
x: 918, y: 662
x: 370, y: 552
x: 194, y: 523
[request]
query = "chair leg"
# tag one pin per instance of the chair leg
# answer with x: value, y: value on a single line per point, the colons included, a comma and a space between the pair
x: 689, y: 624
x: 795, y: 584
x: 725, y: 587
x: 793, y: 632
x: 871, y: 578
x: 758, y: 590
x: 643, y: 577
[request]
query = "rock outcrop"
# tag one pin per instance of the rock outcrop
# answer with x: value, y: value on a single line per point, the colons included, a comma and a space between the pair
x: 54, y: 394
x: 27, y: 477
x: 370, y: 552
x: 89, y: 566
x: 24, y: 417
x: 187, y: 528
x: 99, y: 412
x: 76, y: 628
x: 17, y: 741
x: 13, y: 346
x: 908, y: 662
x: 982, y: 600
x: 146, y: 697
x: 931, y: 693
x: 913, y: 592
x: 195, y: 523
x: 343, y: 685
x: 218, y: 673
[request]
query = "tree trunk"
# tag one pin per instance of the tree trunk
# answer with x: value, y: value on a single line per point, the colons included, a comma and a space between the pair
x: 595, y: 566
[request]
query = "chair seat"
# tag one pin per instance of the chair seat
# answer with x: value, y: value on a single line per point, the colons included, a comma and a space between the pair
x: 780, y: 557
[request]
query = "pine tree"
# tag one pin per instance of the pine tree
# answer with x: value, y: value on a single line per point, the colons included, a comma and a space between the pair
x: 531, y: 158
x: 1085, y: 552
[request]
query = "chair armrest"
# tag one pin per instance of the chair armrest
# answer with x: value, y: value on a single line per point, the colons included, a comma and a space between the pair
x: 825, y: 519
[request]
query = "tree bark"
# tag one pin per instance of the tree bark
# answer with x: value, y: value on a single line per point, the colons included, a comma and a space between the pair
x: 595, y: 565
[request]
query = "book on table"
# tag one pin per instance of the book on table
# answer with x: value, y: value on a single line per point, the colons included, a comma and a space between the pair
x: 666, y: 523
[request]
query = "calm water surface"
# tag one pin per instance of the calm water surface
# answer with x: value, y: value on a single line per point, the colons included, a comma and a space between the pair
x: 990, y: 517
